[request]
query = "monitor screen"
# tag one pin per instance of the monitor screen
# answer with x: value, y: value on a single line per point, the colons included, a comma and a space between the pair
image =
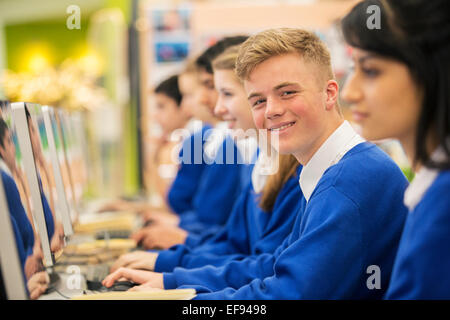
x: 68, y: 164
x: 32, y: 159
x: 56, y: 157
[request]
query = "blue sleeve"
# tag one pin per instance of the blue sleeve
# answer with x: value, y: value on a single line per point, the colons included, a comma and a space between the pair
x: 235, y: 274
x: 219, y: 188
x: 307, y: 268
x: 181, y: 255
x: 196, y: 239
x: 181, y: 193
x: 50, y: 223
x: 17, y: 211
x: 21, y: 251
x: 217, y: 244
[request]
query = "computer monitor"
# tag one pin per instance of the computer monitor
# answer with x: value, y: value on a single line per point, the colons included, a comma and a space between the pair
x: 20, y: 121
x: 13, y: 282
x: 62, y: 129
x: 56, y: 157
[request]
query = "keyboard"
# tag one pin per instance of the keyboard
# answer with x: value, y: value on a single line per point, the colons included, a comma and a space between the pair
x: 113, y: 234
x: 117, y: 286
x: 96, y: 273
x: 55, y: 279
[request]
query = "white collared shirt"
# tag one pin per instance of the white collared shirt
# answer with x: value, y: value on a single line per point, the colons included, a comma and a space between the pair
x: 330, y: 152
x: 4, y: 167
x: 423, y: 179
x: 215, y: 139
x: 247, y: 148
x: 264, y: 167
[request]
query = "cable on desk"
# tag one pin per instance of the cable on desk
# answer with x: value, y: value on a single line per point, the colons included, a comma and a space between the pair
x: 62, y: 295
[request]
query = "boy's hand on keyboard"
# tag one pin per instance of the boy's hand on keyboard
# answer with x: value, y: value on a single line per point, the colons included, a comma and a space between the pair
x: 150, y: 278
x: 136, y: 260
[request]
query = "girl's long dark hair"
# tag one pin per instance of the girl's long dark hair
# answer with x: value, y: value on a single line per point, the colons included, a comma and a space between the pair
x: 417, y: 33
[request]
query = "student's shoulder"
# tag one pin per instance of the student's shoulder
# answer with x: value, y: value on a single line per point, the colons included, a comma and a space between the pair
x: 8, y: 181
x: 437, y: 195
x: 365, y: 170
x: 367, y: 160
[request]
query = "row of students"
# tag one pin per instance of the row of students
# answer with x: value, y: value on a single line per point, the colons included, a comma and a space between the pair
x: 196, y: 196
x: 351, y: 214
x: 261, y: 217
x: 338, y: 215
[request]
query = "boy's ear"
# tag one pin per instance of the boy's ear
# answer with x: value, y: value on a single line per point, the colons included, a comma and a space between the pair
x: 332, y: 91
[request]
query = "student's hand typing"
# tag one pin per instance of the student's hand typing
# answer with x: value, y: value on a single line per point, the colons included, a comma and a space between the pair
x: 37, y: 284
x: 136, y: 260
x: 149, y: 278
x: 160, y: 236
x: 33, y: 264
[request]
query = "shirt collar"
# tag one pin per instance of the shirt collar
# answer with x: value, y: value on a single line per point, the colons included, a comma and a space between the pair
x: 330, y: 152
x: 247, y: 148
x: 4, y: 167
x: 193, y: 125
x: 423, y: 179
x: 265, y: 166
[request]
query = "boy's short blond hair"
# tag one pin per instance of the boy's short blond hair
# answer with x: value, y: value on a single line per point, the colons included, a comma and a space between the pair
x: 274, y: 42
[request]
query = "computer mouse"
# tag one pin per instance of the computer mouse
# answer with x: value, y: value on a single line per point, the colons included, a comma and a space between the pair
x: 122, y: 286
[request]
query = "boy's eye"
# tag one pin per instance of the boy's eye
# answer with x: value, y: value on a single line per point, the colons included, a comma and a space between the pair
x: 258, y: 102
x: 286, y: 93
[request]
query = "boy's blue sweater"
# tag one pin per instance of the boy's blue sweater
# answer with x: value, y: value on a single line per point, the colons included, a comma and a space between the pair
x: 352, y: 220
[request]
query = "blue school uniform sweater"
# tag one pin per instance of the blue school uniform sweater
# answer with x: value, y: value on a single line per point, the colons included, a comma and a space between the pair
x: 184, y: 187
x: 194, y: 240
x: 249, y: 231
x: 422, y: 265
x: 18, y: 213
x: 219, y: 186
x: 49, y: 222
x: 353, y: 220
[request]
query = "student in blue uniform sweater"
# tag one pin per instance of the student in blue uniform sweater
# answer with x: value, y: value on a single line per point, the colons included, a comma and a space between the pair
x: 220, y: 177
x: 263, y: 215
x: 409, y: 55
x: 350, y: 216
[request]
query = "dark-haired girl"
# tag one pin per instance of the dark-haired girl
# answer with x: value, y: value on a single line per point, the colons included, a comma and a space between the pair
x: 400, y: 88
